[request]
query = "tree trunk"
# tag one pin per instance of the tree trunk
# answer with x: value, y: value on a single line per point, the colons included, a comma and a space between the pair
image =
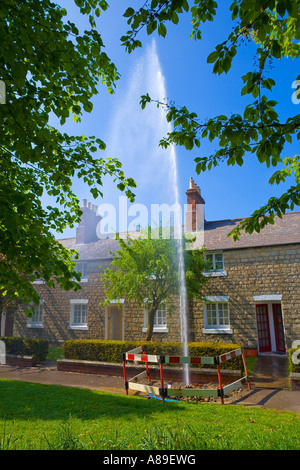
x: 151, y: 314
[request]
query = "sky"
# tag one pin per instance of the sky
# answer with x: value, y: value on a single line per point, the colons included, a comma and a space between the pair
x: 175, y: 68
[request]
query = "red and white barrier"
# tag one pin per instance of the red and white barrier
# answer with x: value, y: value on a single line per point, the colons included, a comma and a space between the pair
x: 134, y: 355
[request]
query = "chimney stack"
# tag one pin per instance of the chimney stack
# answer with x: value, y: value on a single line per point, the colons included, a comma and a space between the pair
x: 195, y: 209
x: 86, y: 231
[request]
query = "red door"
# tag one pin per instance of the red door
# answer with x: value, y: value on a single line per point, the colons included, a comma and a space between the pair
x: 263, y: 329
x: 278, y: 326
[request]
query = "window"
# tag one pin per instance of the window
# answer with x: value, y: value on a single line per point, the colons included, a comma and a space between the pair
x: 78, y: 314
x: 81, y: 267
x: 216, y: 264
x: 216, y: 315
x: 215, y: 260
x: 160, y: 319
x: 36, y: 321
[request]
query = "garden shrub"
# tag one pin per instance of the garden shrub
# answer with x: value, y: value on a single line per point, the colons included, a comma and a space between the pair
x: 112, y: 351
x: 38, y: 348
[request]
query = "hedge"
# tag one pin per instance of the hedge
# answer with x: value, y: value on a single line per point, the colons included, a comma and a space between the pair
x: 38, y: 348
x: 292, y: 366
x: 112, y: 351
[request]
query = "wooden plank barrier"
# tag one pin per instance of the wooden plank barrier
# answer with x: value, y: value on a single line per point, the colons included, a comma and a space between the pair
x: 134, y: 382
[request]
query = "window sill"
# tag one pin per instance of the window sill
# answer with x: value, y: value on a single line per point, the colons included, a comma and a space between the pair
x: 158, y: 330
x: 34, y: 325
x: 215, y: 273
x: 78, y: 327
x: 217, y: 331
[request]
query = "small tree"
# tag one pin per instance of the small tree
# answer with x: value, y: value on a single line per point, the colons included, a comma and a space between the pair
x: 145, y: 269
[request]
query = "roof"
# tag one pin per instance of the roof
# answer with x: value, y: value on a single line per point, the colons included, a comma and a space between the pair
x: 283, y: 232
x: 92, y: 251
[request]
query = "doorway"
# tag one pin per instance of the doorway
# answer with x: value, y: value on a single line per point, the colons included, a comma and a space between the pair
x: 270, y: 328
x: 278, y: 327
x: 263, y: 328
x: 114, y: 323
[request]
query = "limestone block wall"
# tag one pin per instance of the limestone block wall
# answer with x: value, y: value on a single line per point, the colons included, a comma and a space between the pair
x: 56, y: 313
x: 273, y: 270
x: 254, y: 272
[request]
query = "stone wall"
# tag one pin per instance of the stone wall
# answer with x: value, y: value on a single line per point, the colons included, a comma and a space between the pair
x: 56, y: 314
x: 253, y: 271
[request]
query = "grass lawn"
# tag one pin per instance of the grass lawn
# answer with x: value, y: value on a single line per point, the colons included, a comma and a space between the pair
x: 36, y: 416
x: 54, y: 353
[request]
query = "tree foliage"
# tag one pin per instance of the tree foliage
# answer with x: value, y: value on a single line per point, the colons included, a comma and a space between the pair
x: 49, y: 69
x: 145, y: 269
x: 274, y: 28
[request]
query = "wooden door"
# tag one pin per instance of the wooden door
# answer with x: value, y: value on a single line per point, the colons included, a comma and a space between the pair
x: 279, y: 330
x: 114, y: 323
x: 263, y: 328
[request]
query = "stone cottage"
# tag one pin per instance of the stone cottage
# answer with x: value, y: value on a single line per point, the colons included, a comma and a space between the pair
x: 252, y: 298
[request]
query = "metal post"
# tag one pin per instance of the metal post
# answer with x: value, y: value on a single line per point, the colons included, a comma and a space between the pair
x: 146, y: 364
x: 220, y: 383
x: 124, y: 373
x: 161, y: 378
x: 246, y: 372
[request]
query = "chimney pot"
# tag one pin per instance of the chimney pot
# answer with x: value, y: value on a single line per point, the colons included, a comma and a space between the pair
x: 195, y: 202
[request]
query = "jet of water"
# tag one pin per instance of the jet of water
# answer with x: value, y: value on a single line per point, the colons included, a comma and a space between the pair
x: 174, y: 182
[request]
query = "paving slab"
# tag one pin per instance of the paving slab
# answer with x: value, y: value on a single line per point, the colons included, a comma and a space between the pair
x: 50, y: 375
x: 276, y: 399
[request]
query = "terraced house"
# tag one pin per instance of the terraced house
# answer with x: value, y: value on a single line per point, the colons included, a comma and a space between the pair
x: 252, y: 297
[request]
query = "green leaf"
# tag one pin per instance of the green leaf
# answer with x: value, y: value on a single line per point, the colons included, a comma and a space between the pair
x: 162, y: 30
x: 213, y: 56
x: 129, y: 12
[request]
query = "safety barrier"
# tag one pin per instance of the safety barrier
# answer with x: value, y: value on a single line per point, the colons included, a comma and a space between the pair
x: 139, y: 355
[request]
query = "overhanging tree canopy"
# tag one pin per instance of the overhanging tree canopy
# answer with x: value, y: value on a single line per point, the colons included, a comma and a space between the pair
x: 274, y: 27
x: 48, y: 67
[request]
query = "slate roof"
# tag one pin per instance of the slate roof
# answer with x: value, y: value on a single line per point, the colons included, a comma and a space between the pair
x: 284, y: 231
x: 90, y: 251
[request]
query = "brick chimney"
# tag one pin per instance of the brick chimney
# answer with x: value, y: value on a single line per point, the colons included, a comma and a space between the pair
x: 86, y: 229
x: 195, y: 208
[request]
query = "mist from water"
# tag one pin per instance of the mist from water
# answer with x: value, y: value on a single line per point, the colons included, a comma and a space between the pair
x: 134, y: 139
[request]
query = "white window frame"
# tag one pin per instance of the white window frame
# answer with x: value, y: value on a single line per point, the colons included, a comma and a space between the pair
x: 81, y: 267
x: 215, y: 271
x: 36, y: 321
x: 218, y: 328
x: 157, y: 327
x: 80, y: 325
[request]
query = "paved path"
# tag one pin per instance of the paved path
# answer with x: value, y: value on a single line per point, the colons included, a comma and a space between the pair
x: 271, y: 371
x: 273, y: 398
x: 276, y: 399
x: 50, y: 375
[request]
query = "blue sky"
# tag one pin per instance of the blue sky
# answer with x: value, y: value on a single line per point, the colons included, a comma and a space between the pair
x: 176, y: 67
